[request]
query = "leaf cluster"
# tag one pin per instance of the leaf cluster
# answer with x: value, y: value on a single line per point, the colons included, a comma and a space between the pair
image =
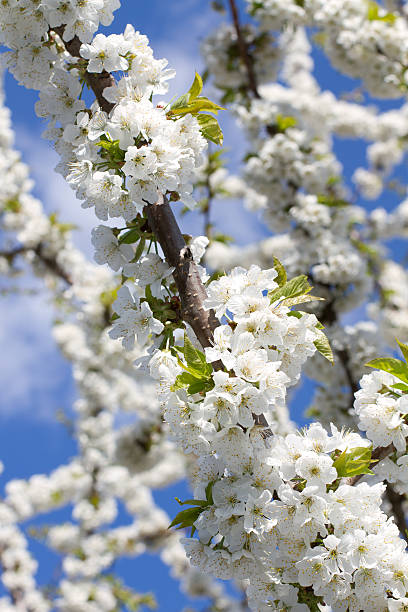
x: 199, y: 106
x: 197, y: 372
x: 354, y: 462
x: 297, y: 291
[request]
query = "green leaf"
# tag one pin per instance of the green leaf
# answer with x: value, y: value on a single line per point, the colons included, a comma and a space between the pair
x: 210, y: 129
x: 295, y: 313
x: 192, y: 502
x: 373, y: 13
x: 393, y: 366
x: 301, y: 299
x: 198, y: 387
x: 139, y: 250
x: 401, y: 387
x: 181, y: 102
x: 208, y: 492
x: 354, y: 462
x: 196, y: 87
x: 323, y: 346
x: 282, y: 278
x: 130, y: 237
x: 194, y: 107
x: 12, y: 205
x: 404, y: 349
x: 193, y: 356
x: 283, y: 123
x: 331, y: 201
x: 186, y: 518
x: 293, y: 288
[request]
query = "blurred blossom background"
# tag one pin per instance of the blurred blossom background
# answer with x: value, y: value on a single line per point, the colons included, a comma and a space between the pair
x: 35, y: 379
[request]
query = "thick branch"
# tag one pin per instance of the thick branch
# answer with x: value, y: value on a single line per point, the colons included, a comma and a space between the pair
x: 243, y: 50
x: 178, y: 255
x: 96, y: 81
x: 52, y: 265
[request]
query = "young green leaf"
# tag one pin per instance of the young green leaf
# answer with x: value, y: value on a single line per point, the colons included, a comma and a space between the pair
x: 210, y: 129
x: 282, y: 278
x: 323, y: 346
x: 404, y: 349
x: 187, y: 517
x: 393, y: 366
x: 354, y: 462
x: 196, y: 87
x: 373, y: 13
x: 293, y: 288
x: 208, y: 492
x: 192, y: 502
x: 301, y: 299
x: 401, y: 387
x: 130, y: 237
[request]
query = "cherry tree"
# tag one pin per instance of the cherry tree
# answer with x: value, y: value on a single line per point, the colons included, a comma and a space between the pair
x: 202, y: 340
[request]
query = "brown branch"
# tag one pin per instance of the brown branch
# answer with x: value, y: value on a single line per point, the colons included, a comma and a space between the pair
x: 178, y: 255
x: 244, y: 51
x: 96, y: 81
x: 52, y: 264
x: 164, y: 225
x: 396, y: 500
x: 49, y: 262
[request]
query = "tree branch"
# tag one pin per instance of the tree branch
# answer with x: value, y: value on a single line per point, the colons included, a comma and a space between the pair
x: 243, y: 50
x: 49, y: 262
x: 178, y: 255
x: 96, y: 81
x: 164, y: 225
x: 396, y: 500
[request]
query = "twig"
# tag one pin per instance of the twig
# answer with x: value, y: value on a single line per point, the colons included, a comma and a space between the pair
x: 243, y: 50
x: 49, y: 262
x: 396, y: 500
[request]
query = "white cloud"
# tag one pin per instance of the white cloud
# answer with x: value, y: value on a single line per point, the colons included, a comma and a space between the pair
x: 33, y: 376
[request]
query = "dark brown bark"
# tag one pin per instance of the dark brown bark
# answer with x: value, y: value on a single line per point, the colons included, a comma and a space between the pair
x: 178, y: 255
x: 164, y: 225
x: 96, y: 81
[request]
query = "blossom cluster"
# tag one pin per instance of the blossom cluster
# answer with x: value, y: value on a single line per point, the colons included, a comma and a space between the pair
x: 269, y: 510
x: 120, y: 157
x: 361, y: 39
x: 114, y: 464
x: 381, y: 407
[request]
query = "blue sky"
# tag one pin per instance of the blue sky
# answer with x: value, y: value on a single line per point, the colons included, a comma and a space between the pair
x: 35, y: 379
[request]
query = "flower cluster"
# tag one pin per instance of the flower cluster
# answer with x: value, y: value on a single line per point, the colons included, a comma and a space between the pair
x: 115, y: 464
x: 284, y: 518
x: 272, y: 510
x: 381, y: 407
x: 361, y: 39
